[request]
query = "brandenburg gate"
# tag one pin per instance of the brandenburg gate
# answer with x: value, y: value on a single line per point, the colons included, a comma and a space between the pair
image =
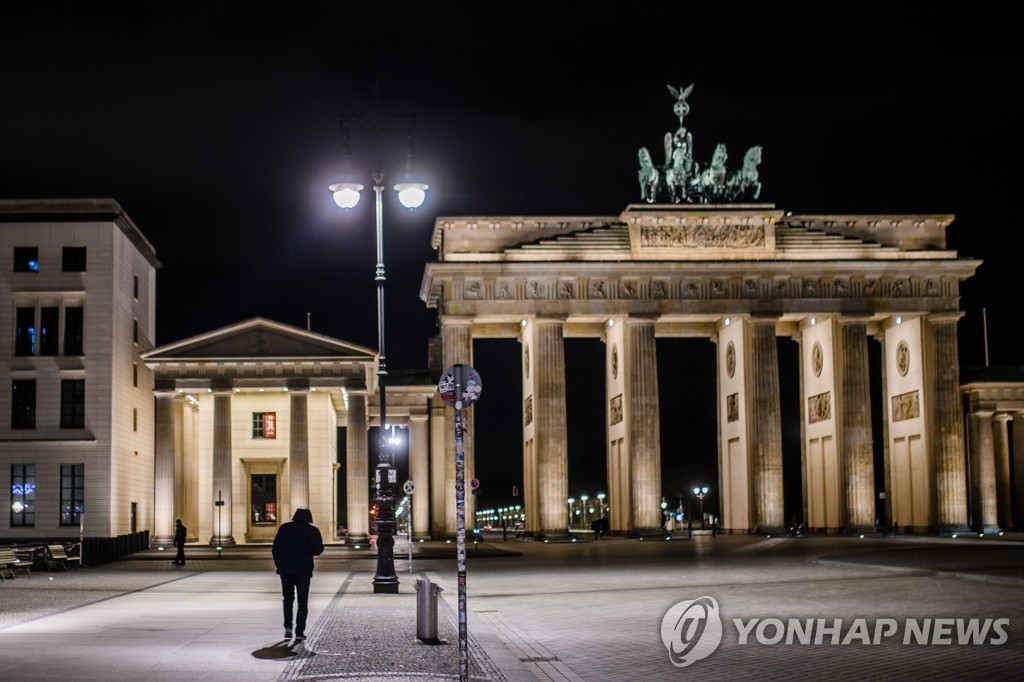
x: 740, y: 275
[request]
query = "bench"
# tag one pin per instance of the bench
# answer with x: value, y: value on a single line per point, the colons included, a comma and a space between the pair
x: 10, y: 563
x: 59, y: 557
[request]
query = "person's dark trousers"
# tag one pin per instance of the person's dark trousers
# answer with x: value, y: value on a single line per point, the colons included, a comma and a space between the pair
x: 180, y: 559
x: 290, y: 586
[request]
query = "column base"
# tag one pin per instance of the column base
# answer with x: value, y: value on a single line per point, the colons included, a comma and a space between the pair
x: 162, y: 541
x: 228, y: 541
x: 553, y: 535
x: 649, y: 533
x: 955, y: 530
x: 357, y: 539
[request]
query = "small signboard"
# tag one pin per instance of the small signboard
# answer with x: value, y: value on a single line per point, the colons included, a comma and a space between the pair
x: 474, y: 484
x: 409, y: 488
x: 471, y: 389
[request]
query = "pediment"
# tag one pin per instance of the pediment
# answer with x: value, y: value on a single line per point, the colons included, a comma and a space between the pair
x: 260, y: 339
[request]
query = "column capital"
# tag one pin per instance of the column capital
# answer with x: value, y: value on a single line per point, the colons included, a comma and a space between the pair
x: 952, y: 316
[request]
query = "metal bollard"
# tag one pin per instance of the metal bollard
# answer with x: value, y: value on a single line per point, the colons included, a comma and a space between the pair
x: 426, y: 610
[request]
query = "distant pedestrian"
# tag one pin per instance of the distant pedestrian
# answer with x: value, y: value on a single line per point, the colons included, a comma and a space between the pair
x: 179, y: 542
x: 295, y: 545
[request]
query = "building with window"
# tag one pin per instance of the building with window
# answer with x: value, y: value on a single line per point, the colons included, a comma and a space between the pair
x: 78, y: 293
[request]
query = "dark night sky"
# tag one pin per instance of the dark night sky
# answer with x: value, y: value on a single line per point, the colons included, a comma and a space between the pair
x: 215, y: 127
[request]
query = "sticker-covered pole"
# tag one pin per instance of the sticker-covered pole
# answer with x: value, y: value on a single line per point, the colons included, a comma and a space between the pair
x: 460, y: 523
x: 460, y: 387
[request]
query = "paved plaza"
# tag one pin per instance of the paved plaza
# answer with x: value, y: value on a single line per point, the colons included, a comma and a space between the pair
x: 583, y: 611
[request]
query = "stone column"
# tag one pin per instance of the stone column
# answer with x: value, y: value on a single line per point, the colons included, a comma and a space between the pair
x: 418, y: 473
x: 222, y: 480
x: 163, y: 475
x: 942, y: 365
x: 298, y: 451
x: 551, y: 439
x: 457, y: 347
x: 765, y: 424
x: 357, y: 478
x: 983, y: 473
x: 1018, y: 470
x: 190, y: 469
x: 439, y: 437
x: 855, y: 414
x: 887, y: 521
x: 641, y: 362
x: 1001, y: 443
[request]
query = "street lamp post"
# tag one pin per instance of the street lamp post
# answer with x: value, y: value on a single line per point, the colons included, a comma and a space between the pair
x: 571, y: 501
x: 700, y: 492
x: 583, y: 503
x: 411, y: 195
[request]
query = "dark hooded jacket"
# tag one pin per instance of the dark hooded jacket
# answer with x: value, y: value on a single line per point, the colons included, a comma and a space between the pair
x: 295, y: 545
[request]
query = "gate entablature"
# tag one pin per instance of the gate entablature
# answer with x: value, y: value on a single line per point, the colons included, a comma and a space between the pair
x: 671, y: 260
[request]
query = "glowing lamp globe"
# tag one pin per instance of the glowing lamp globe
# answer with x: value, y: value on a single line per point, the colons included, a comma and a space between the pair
x: 411, y: 194
x: 346, y: 194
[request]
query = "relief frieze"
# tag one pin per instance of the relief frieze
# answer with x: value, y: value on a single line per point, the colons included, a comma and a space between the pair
x: 702, y: 236
x: 732, y: 407
x: 819, y: 408
x: 906, y: 406
x: 615, y: 410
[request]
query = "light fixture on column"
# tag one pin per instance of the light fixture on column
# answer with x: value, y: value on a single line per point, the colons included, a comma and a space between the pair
x: 411, y: 195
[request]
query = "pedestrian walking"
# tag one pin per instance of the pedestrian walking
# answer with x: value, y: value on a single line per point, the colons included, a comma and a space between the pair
x: 179, y: 542
x: 295, y: 545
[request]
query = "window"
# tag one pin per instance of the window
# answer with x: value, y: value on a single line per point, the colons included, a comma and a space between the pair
x: 135, y: 419
x: 72, y: 404
x: 136, y: 287
x: 23, y: 404
x: 72, y: 493
x: 263, y: 496
x: 26, y: 259
x: 73, y: 331
x: 37, y: 330
x: 23, y: 494
x: 25, y: 332
x: 135, y: 331
x: 264, y: 424
x: 135, y: 375
x: 49, y: 336
x: 73, y: 259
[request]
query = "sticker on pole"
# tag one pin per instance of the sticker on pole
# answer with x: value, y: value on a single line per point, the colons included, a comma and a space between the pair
x: 471, y: 386
x: 409, y: 487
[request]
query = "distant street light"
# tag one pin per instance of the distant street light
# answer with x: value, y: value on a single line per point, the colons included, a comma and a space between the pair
x: 583, y: 503
x: 700, y: 492
x: 411, y: 194
x: 571, y: 501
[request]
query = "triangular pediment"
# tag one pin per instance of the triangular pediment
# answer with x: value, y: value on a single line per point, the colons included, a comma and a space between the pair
x: 260, y: 339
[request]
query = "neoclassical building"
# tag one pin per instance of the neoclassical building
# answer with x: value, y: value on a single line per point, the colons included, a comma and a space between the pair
x: 233, y: 429
x: 741, y: 275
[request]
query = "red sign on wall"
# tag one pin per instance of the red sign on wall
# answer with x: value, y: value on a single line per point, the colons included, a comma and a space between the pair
x: 271, y: 511
x: 270, y: 425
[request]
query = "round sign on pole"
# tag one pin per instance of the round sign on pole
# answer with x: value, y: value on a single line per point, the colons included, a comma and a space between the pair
x: 474, y: 484
x: 471, y: 386
x: 408, y: 487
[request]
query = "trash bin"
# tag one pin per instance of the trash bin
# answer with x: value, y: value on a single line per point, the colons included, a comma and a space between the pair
x: 426, y: 610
